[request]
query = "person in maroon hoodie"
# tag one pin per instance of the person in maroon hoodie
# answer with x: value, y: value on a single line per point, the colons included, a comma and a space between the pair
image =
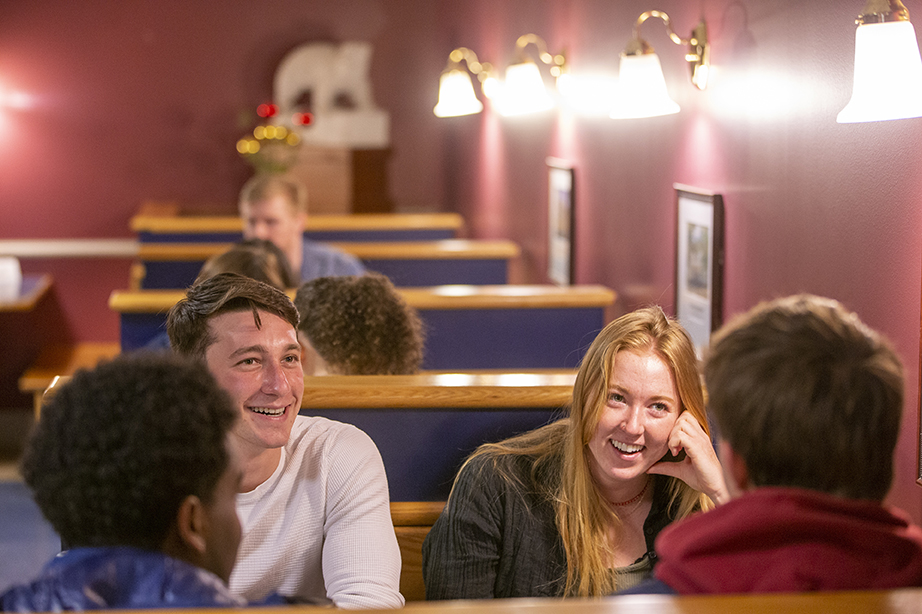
x: 807, y: 401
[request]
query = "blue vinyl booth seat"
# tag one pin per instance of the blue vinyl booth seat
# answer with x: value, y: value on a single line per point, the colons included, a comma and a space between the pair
x: 467, y: 327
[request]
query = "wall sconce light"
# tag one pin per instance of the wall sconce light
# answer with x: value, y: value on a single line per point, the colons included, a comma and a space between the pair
x: 522, y: 92
x: 888, y: 68
x: 642, y: 87
x: 456, y: 91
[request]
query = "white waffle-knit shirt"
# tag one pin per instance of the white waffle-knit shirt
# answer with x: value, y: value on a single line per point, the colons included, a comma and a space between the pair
x: 320, y: 527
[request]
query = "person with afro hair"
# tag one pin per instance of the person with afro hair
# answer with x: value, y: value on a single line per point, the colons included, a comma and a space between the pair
x: 131, y: 465
x: 357, y: 325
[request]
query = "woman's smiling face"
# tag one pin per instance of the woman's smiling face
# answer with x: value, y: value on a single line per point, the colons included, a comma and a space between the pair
x: 641, y: 408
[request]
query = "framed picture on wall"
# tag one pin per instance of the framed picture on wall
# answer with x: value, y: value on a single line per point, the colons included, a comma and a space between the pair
x: 560, y: 246
x: 919, y: 466
x: 699, y: 262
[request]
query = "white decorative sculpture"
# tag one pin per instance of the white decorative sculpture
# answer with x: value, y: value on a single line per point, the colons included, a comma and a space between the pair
x: 331, y: 82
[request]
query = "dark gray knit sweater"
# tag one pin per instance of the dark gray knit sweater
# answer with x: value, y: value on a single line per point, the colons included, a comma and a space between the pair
x: 498, y: 540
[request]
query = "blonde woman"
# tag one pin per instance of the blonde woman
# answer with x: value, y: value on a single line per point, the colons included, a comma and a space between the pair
x: 573, y: 508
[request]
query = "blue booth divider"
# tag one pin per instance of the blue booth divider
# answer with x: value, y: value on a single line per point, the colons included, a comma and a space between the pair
x: 426, y: 425
x: 423, y: 449
x: 467, y: 327
x: 413, y: 263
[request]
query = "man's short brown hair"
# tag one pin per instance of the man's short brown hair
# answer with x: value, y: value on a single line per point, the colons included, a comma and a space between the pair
x: 808, y: 396
x: 187, y: 321
x: 263, y: 187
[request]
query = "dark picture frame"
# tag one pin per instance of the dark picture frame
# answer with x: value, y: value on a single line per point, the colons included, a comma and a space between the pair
x: 699, y: 262
x: 560, y: 222
x: 919, y: 417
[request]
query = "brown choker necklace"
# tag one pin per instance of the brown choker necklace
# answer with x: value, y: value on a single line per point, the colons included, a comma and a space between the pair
x: 635, y: 498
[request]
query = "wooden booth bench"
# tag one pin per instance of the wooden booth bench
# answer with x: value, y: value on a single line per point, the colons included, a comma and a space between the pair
x: 61, y: 360
x: 408, y: 263
x: 467, y: 327
x: 154, y: 227
x: 412, y: 522
x: 425, y: 425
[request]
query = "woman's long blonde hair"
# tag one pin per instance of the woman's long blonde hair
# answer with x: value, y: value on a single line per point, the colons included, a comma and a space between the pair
x: 559, y: 449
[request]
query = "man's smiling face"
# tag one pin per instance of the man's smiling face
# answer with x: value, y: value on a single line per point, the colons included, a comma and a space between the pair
x: 261, y: 369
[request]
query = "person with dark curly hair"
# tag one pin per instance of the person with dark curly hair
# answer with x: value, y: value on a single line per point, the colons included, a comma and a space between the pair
x: 314, y: 500
x: 132, y: 466
x: 357, y: 325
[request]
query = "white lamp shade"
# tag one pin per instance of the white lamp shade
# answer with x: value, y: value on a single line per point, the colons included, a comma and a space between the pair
x: 524, y: 91
x: 456, y: 95
x: 642, y: 89
x: 888, y: 74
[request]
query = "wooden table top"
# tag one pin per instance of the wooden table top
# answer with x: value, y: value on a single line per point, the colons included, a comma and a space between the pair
x: 548, y: 388
x: 433, y: 297
x: 34, y: 287
x: 445, y: 249
x: 315, y: 222
x: 906, y: 601
x: 468, y: 389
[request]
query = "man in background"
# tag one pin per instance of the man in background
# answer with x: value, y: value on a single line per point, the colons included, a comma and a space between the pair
x: 275, y: 209
x: 807, y: 401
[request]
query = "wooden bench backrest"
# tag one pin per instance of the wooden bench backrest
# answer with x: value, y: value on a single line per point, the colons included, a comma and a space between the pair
x: 412, y: 521
x: 406, y: 263
x: 169, y: 221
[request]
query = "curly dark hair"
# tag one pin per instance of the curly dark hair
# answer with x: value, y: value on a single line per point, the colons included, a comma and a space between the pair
x: 119, y: 447
x: 360, y: 325
x: 187, y: 320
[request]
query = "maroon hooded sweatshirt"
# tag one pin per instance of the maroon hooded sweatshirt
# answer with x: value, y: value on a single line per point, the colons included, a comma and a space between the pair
x: 791, y: 540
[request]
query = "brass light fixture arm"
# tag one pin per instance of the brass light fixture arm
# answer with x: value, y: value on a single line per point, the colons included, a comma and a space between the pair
x: 463, y: 54
x: 698, y: 54
x: 678, y: 40
x: 882, y: 11
x: 557, y: 62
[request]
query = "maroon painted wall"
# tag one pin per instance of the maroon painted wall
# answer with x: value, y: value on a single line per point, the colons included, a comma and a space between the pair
x: 811, y: 206
x: 138, y: 100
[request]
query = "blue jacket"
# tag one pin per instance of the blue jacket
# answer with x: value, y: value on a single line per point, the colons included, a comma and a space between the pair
x: 98, y: 578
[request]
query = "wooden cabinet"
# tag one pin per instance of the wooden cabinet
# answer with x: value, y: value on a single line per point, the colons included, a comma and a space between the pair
x: 342, y: 180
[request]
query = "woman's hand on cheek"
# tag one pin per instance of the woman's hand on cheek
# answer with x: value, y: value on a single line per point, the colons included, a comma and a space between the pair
x: 700, y: 468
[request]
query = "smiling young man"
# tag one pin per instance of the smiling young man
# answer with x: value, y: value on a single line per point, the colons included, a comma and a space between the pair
x: 275, y: 209
x: 314, y: 500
